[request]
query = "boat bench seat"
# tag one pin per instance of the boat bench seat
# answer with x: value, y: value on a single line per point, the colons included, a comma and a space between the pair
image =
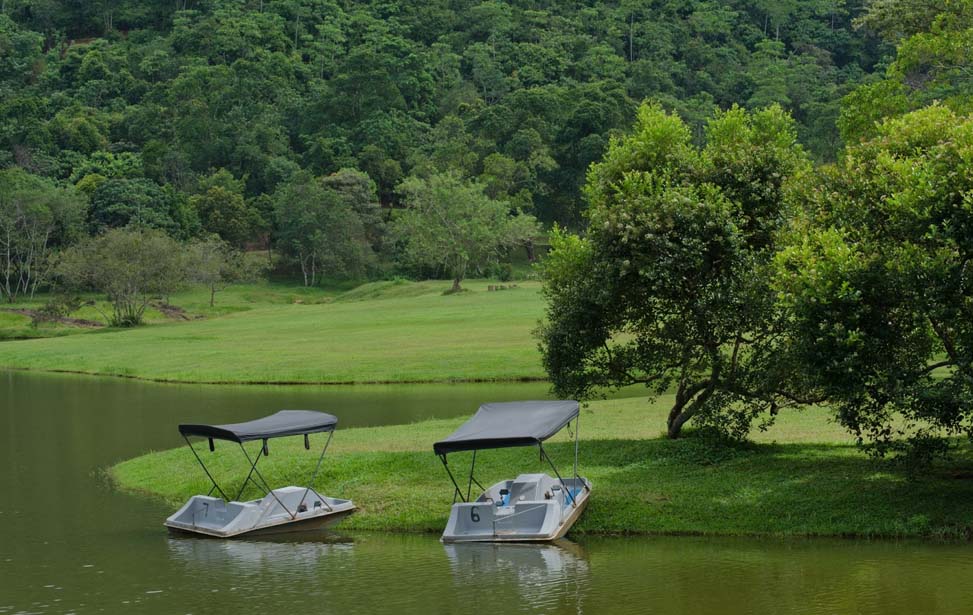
x: 527, y: 487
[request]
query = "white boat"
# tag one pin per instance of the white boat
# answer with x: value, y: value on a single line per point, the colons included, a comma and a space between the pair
x: 530, y: 507
x: 285, y: 509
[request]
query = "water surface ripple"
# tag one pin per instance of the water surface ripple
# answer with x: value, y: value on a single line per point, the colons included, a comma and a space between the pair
x: 69, y: 544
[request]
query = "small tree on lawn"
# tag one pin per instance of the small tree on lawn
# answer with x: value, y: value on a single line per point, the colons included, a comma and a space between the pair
x: 449, y: 222
x: 131, y: 267
x: 670, y: 288
x: 215, y: 264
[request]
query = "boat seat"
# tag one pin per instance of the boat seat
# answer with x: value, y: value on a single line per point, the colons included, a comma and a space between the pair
x: 527, y: 490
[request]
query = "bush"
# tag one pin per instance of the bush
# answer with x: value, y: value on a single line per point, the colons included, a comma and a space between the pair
x: 56, y: 308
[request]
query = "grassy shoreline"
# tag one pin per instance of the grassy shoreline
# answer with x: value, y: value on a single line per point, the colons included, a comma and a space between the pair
x: 387, y: 332
x: 803, y: 477
x: 324, y: 383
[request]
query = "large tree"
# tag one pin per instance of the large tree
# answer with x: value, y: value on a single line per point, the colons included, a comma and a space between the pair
x: 140, y: 203
x: 223, y: 210
x: 37, y: 217
x: 449, y: 222
x: 879, y: 282
x: 130, y: 266
x: 360, y: 193
x: 669, y: 288
x: 320, y: 230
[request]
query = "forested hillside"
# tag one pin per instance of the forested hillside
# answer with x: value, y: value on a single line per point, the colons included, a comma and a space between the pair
x: 194, y: 112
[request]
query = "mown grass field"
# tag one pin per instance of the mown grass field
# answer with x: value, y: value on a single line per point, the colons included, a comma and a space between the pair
x: 802, y: 477
x: 381, y: 332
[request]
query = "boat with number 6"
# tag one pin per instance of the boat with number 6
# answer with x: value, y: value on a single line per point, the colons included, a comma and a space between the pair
x: 530, y: 507
x: 285, y: 509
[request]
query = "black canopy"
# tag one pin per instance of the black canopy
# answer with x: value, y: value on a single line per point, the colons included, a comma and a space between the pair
x: 516, y: 423
x: 283, y: 423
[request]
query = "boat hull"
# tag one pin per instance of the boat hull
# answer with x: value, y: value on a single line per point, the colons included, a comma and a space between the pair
x: 561, y: 533
x: 541, y: 520
x: 284, y: 527
x: 288, y: 509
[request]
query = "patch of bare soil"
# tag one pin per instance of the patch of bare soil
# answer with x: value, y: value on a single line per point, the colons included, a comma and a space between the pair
x: 64, y: 320
x: 170, y: 311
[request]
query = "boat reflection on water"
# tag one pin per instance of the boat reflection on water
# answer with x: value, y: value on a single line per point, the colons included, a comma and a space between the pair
x: 552, y: 576
x: 259, y: 556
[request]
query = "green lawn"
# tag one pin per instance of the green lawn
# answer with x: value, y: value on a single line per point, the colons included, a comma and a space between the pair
x: 802, y: 477
x: 382, y: 332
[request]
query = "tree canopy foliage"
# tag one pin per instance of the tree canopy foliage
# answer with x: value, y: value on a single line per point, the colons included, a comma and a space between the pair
x: 520, y: 96
x: 747, y: 280
x: 320, y: 229
x: 670, y: 287
x: 878, y: 281
x: 37, y: 217
x: 933, y: 55
x: 131, y: 266
x: 451, y: 223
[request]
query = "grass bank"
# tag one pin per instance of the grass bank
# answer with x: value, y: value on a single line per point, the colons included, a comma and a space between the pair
x: 802, y: 477
x: 382, y: 332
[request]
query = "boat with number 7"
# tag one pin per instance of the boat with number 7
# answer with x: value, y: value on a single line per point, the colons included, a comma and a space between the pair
x: 530, y: 507
x: 285, y: 509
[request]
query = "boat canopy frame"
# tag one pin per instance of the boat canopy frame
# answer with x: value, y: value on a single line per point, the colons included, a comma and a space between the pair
x: 278, y: 425
x: 508, y: 425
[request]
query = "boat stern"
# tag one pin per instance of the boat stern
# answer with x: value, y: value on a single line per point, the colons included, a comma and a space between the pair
x: 532, y: 507
x: 281, y: 510
x: 484, y: 521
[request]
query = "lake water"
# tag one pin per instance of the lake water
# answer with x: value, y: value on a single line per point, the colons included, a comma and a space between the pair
x: 69, y: 544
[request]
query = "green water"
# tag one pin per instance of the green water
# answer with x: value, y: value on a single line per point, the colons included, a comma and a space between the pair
x: 69, y: 544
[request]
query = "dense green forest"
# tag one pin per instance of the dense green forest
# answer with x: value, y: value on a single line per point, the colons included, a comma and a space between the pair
x: 761, y: 203
x: 161, y: 101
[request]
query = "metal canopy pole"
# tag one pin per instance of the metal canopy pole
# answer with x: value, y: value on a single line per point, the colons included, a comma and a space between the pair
x: 469, y: 485
x: 577, y: 428
x: 456, y: 490
x: 266, y: 485
x: 249, y: 474
x: 315, y: 475
x: 203, y: 465
x: 558, y: 474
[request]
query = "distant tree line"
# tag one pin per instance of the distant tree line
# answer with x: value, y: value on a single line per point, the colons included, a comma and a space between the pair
x: 358, y: 139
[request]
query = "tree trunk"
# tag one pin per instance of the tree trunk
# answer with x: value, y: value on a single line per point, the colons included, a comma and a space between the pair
x: 674, y: 429
x: 212, y: 295
x: 304, y: 268
x: 456, y: 287
x: 689, y: 400
x: 673, y: 422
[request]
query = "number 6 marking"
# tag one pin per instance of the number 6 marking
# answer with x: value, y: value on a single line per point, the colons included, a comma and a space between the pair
x: 475, y: 514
